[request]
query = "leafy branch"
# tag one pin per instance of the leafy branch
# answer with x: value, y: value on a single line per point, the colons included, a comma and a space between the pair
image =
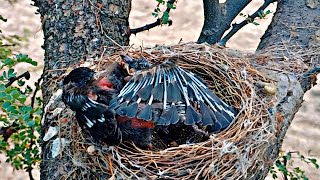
x: 284, y: 165
x: 165, y: 19
x: 21, y: 118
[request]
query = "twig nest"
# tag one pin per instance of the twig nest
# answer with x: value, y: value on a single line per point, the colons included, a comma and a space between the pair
x: 229, y: 154
x: 91, y: 150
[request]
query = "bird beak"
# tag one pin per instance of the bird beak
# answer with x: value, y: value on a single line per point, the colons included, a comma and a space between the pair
x: 126, y: 60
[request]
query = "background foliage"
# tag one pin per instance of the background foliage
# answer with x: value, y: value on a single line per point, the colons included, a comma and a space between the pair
x: 20, y: 108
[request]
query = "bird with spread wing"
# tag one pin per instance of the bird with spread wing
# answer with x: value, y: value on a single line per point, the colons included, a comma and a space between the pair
x: 157, y: 96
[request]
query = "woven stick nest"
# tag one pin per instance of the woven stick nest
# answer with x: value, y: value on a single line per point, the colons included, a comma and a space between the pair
x: 227, y: 154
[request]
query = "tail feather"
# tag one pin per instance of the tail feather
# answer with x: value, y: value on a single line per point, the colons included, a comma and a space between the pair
x: 169, y: 117
x: 157, y: 92
x: 145, y: 113
x: 130, y: 110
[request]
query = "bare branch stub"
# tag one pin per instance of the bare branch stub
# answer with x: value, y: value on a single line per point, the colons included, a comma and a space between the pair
x: 147, y: 27
x: 237, y: 27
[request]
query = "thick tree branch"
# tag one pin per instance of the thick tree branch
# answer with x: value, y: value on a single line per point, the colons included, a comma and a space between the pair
x: 218, y: 17
x: 292, y: 30
x: 237, y: 27
x: 147, y: 27
x: 292, y: 22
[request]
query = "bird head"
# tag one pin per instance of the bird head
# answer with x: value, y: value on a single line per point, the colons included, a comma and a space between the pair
x: 133, y: 65
x: 80, y: 77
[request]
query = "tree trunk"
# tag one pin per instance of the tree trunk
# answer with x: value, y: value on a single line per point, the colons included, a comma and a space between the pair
x: 295, y: 26
x: 76, y: 31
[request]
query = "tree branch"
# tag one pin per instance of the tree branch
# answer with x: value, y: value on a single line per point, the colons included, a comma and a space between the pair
x: 237, y: 27
x: 147, y: 27
x: 13, y: 79
x: 37, y: 84
x: 218, y: 17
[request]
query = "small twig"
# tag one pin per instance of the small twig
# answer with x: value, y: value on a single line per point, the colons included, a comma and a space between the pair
x: 13, y: 79
x: 237, y: 27
x: 30, y: 173
x: 147, y: 27
x: 29, y: 169
x: 37, y: 84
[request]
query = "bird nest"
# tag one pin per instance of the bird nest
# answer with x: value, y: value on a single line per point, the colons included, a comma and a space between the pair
x: 232, y: 153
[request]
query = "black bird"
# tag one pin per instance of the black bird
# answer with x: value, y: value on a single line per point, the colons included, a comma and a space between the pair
x: 160, y: 96
x: 80, y: 93
x: 88, y: 94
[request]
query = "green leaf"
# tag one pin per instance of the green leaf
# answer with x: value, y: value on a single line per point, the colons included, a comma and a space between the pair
x: 26, y: 117
x: 2, y: 87
x: 9, y: 62
x: 274, y: 176
x: 11, y: 73
x: 288, y: 156
x: 160, y: 1
x: 9, y: 97
x: 171, y: 6
x: 156, y: 10
x: 255, y: 23
x: 314, y: 161
x: 165, y: 17
x: 260, y: 14
x: 268, y: 12
x: 155, y: 14
x: 25, y: 58
x: 11, y: 108
x: 31, y: 123
x: 21, y: 82
x: 4, y: 74
x: 6, y: 104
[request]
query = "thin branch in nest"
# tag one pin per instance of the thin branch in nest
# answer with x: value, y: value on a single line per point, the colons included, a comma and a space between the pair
x: 147, y: 27
x: 237, y: 27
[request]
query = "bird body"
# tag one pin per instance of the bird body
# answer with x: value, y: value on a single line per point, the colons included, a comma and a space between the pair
x: 88, y: 94
x: 80, y: 93
x: 156, y: 98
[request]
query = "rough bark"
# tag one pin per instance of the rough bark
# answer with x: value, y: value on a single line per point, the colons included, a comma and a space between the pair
x: 295, y: 24
x: 76, y: 31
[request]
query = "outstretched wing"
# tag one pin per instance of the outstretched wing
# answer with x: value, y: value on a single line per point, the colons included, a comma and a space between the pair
x: 181, y: 95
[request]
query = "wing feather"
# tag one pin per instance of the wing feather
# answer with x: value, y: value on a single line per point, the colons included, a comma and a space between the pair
x: 182, y: 94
